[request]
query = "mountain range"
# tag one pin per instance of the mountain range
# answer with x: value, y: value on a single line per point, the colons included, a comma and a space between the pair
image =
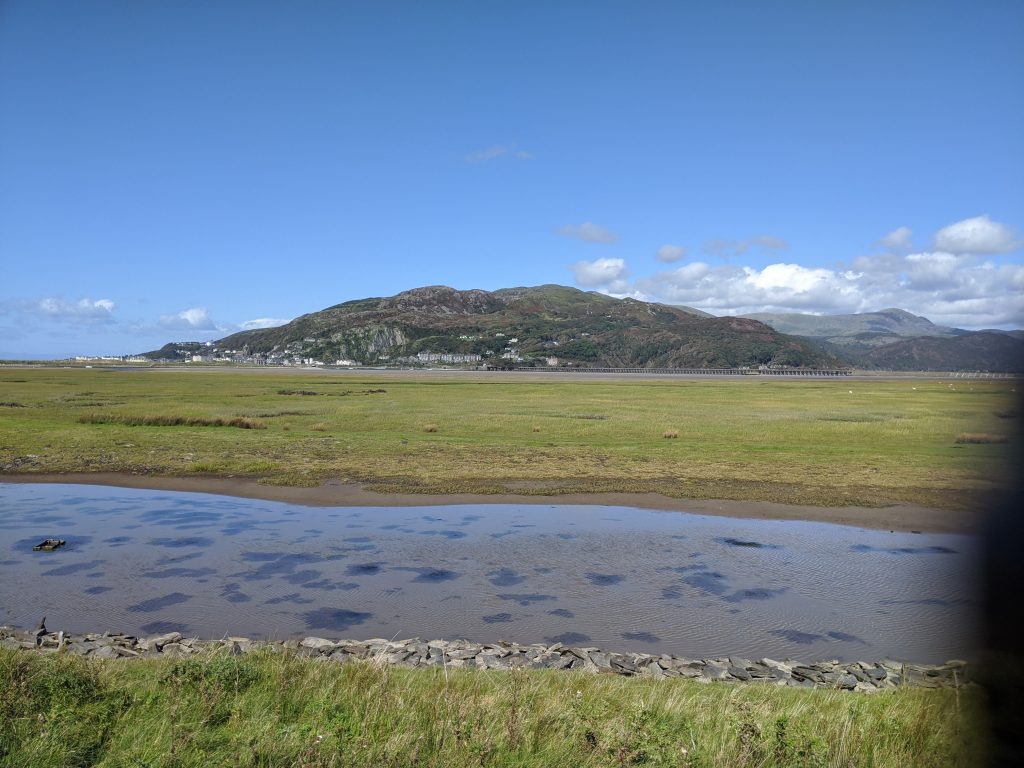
x: 893, y: 339
x: 552, y: 324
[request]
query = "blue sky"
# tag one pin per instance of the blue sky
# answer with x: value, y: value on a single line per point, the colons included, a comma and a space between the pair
x: 179, y: 170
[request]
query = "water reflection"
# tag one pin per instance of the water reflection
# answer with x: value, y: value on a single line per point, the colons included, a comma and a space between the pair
x: 616, y: 578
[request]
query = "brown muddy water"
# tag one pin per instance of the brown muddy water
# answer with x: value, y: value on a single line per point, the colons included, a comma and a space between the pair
x: 618, y: 578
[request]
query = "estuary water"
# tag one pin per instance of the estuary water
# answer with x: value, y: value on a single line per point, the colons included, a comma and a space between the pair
x: 623, y: 579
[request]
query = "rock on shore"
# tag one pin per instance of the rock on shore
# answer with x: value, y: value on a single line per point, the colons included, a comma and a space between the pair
x: 855, y: 676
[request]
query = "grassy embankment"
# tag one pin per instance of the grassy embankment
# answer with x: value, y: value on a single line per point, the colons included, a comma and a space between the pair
x: 767, y: 440
x: 281, y: 710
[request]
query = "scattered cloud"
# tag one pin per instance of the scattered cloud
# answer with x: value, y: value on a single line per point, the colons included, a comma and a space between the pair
x: 589, y: 232
x: 262, y: 322
x: 724, y: 248
x: 192, y: 319
x: 768, y: 242
x: 54, y: 326
x: 498, y: 150
x: 670, y: 253
x: 56, y: 309
x: 897, y: 240
x: 954, y: 284
x: 605, y: 274
x: 979, y: 235
x: 81, y: 311
x: 948, y: 289
x: 727, y: 289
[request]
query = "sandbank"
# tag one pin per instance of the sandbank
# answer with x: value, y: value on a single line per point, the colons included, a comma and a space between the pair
x: 899, y: 517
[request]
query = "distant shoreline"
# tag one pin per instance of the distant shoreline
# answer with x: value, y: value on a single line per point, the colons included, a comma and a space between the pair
x: 907, y: 518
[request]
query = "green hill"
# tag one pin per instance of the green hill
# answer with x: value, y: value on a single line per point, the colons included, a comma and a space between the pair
x: 529, y: 324
x: 991, y: 351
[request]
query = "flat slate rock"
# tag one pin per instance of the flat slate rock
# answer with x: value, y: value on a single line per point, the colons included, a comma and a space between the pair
x: 857, y: 676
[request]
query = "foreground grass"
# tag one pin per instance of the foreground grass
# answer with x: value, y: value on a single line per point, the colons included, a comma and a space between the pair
x: 769, y: 440
x: 268, y: 709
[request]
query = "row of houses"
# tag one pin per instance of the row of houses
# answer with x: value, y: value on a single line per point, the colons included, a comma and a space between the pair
x: 447, y: 357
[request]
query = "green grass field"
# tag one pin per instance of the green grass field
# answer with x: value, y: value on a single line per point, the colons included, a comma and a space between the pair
x: 818, y: 442
x: 281, y: 710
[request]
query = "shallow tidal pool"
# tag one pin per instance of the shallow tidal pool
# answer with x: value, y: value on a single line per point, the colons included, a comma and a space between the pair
x: 625, y: 579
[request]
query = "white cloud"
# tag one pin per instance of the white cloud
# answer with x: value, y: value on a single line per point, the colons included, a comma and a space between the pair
x: 192, y: 319
x: 741, y: 290
x: 670, y: 253
x: 58, y: 310
x: 897, y: 240
x: 979, y: 235
x: 788, y: 277
x: 724, y: 248
x: 262, y: 322
x: 498, y: 150
x: 608, y: 274
x: 948, y: 289
x: 198, y: 321
x: 81, y: 311
x: 936, y: 271
x: 590, y: 232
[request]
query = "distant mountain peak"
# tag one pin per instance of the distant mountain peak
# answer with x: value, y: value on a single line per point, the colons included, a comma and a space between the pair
x: 893, y: 321
x: 902, y: 314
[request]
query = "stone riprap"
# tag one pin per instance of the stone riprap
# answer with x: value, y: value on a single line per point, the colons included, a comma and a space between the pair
x: 855, y: 676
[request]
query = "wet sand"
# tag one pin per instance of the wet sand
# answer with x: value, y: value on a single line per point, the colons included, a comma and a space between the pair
x: 903, y: 517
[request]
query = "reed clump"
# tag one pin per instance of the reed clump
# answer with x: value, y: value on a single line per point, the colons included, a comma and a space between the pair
x: 242, y: 422
x: 430, y: 427
x: 981, y: 438
x: 671, y: 434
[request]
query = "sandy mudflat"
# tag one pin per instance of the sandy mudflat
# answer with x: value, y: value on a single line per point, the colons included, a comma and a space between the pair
x: 904, y: 517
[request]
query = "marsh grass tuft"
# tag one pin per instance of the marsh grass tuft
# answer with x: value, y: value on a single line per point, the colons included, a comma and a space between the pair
x: 852, y: 418
x: 212, y: 467
x: 242, y: 422
x: 981, y: 438
x: 430, y: 427
x: 275, y: 414
x: 671, y: 434
x: 319, y: 427
x: 260, y: 467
